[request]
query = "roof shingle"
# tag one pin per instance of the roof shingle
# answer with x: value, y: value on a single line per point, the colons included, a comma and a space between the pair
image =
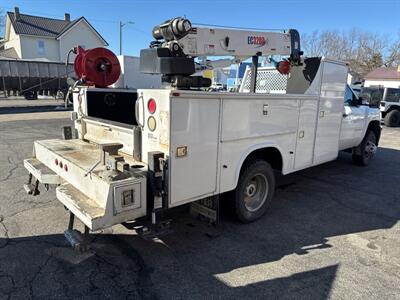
x: 9, y: 53
x: 389, y: 73
x: 41, y: 26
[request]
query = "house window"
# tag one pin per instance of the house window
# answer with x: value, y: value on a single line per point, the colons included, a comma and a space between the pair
x: 40, y: 48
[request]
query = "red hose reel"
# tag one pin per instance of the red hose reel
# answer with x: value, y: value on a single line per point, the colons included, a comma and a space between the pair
x: 97, y: 66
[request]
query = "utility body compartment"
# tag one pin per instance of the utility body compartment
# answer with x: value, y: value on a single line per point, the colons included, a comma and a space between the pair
x: 207, y: 136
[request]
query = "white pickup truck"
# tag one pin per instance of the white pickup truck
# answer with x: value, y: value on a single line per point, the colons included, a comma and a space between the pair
x: 182, y: 145
x: 138, y: 153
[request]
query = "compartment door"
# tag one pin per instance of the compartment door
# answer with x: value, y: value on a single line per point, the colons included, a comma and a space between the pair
x: 193, y: 148
x: 306, y: 133
x: 330, y: 112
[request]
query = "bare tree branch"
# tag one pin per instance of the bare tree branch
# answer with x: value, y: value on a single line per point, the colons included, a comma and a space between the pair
x: 363, y: 50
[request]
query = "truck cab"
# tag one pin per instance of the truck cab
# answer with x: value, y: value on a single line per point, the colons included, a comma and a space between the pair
x: 357, y: 116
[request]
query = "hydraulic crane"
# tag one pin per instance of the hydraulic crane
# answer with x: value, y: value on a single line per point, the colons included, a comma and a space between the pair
x: 177, y: 44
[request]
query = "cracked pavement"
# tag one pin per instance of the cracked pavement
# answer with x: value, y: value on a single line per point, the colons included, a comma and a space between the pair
x: 332, y: 232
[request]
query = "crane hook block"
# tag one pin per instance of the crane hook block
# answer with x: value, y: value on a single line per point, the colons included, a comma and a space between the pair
x: 97, y: 66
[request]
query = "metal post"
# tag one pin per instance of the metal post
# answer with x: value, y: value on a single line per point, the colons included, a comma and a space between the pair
x: 237, y: 78
x: 4, y: 87
x: 120, y: 34
x: 254, y: 69
x: 120, y: 37
x: 20, y: 85
x: 71, y: 221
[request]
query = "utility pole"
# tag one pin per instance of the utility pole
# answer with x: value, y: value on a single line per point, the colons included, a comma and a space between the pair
x: 120, y: 34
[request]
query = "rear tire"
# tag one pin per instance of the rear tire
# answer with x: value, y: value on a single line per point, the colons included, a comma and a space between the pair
x: 367, y: 149
x: 254, y: 192
x: 392, y: 118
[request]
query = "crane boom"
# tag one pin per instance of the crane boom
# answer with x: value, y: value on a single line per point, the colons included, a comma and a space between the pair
x: 239, y: 43
x: 177, y: 44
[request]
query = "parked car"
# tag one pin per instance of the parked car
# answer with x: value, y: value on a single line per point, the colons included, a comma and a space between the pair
x: 216, y: 87
x: 390, y: 107
x: 372, y: 95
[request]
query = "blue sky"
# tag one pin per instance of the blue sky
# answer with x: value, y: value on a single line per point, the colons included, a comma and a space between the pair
x: 380, y: 17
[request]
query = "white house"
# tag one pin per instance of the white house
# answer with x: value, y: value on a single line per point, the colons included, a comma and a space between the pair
x: 383, y: 77
x: 34, y: 37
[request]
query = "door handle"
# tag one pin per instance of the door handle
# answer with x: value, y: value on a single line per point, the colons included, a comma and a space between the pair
x: 137, y: 103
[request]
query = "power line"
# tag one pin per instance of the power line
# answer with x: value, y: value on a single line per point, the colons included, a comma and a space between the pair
x: 238, y: 27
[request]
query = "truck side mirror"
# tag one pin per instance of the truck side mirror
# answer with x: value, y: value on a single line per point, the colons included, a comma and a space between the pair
x: 348, y: 102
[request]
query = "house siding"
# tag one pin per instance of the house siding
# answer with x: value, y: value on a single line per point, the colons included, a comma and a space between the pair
x: 79, y: 34
x: 13, y: 42
x: 29, y: 46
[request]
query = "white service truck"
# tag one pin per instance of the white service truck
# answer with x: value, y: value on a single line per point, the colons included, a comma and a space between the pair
x: 141, y: 152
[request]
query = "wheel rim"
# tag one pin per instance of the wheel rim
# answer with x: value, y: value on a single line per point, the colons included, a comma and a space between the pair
x: 255, y: 192
x: 370, y: 148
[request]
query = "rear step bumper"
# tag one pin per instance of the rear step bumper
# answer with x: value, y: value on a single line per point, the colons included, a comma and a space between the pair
x: 96, y: 200
x: 41, y: 172
x: 87, y: 210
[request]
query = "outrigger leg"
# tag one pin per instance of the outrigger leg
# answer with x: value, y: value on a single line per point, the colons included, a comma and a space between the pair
x: 32, y: 189
x: 78, y: 241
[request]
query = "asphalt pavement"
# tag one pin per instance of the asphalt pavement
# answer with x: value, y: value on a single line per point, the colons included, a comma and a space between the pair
x: 332, y: 232
x: 14, y: 105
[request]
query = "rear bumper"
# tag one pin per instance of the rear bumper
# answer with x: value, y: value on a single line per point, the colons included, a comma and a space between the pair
x: 41, y: 172
x: 86, y: 209
x: 96, y: 199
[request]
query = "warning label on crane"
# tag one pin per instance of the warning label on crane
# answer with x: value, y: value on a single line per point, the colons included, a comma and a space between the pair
x: 256, y: 40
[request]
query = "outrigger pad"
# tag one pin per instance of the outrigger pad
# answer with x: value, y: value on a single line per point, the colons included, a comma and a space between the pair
x: 31, y: 189
x: 77, y: 240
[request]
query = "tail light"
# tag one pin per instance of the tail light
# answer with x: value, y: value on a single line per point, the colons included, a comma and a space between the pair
x: 151, y: 123
x: 283, y: 67
x: 151, y: 106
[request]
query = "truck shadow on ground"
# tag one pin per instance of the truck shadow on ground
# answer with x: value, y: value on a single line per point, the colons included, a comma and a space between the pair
x: 230, y: 261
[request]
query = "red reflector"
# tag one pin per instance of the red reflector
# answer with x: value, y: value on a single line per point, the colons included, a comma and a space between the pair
x: 283, y: 67
x: 176, y: 94
x: 56, y: 161
x: 66, y: 168
x: 151, y: 105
